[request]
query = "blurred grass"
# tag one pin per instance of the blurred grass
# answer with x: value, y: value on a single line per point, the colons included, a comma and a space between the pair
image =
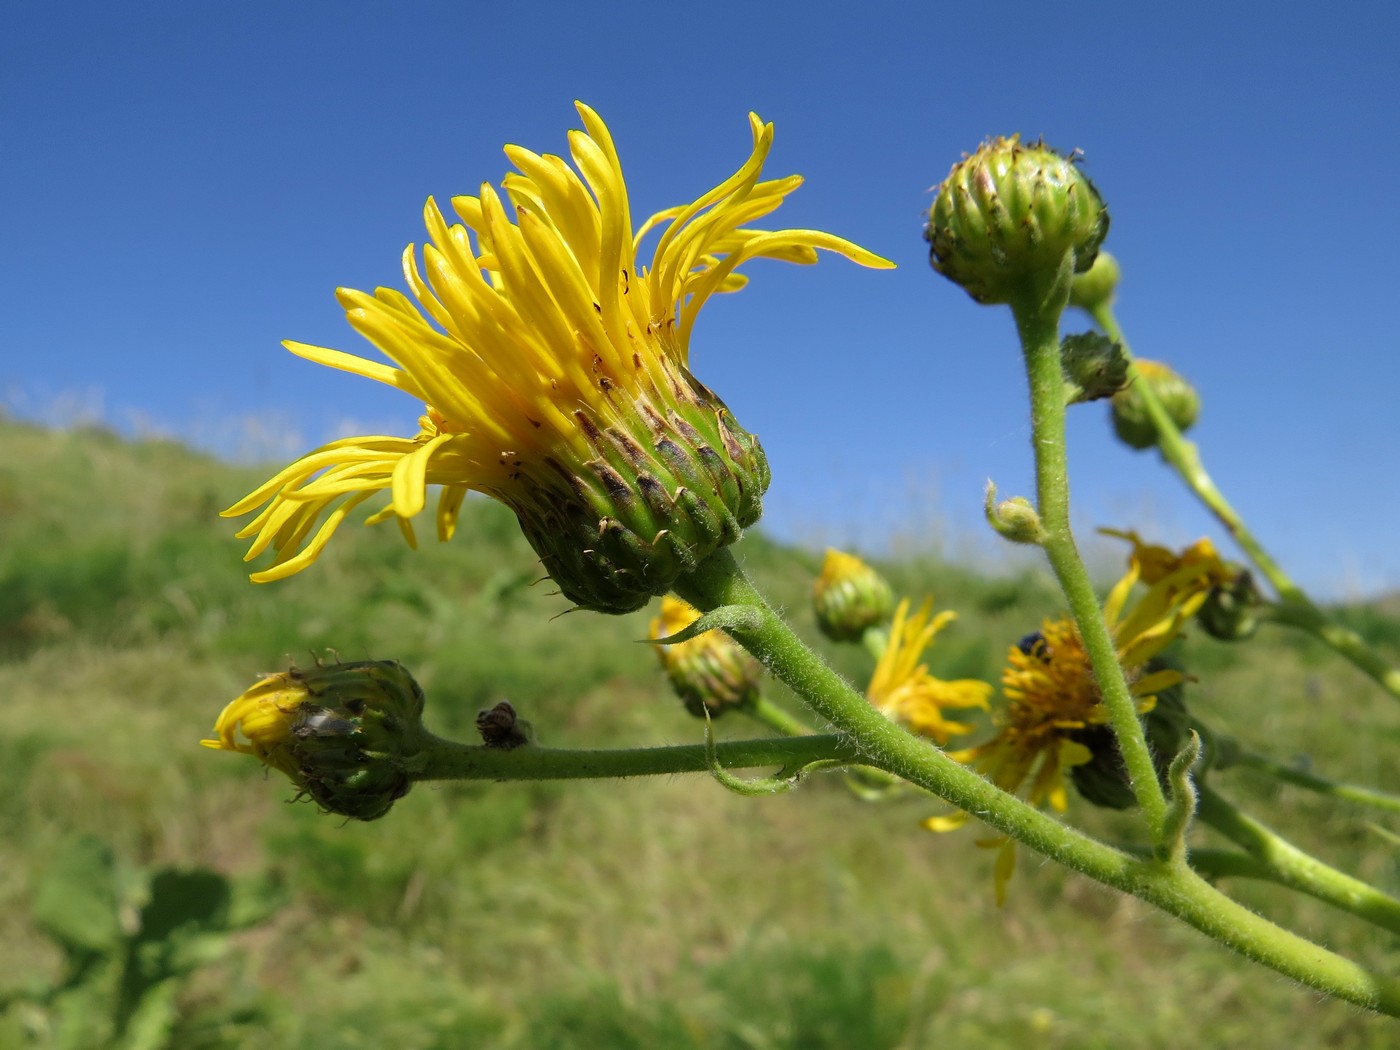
x: 656, y: 913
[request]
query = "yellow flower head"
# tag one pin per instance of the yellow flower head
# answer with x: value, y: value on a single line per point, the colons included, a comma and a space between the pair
x: 849, y: 597
x: 261, y: 722
x: 1053, y: 699
x: 904, y: 691
x: 710, y: 672
x: 553, y: 361
x: 346, y: 734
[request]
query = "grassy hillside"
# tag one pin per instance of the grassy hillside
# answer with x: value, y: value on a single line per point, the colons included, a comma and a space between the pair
x: 648, y: 913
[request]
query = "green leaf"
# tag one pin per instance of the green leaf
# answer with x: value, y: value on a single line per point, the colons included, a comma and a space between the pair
x: 76, y: 903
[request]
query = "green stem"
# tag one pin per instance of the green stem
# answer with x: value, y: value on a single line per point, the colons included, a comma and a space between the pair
x: 1296, y: 608
x: 774, y: 717
x: 1295, y: 869
x: 1342, y: 640
x: 1362, y: 796
x: 1038, y: 328
x: 446, y: 760
x: 875, y: 640
x: 1173, y: 887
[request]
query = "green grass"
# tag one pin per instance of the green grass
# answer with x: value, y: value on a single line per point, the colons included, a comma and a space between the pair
x: 646, y: 913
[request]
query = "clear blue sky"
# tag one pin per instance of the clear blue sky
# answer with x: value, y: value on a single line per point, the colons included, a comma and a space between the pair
x: 184, y: 184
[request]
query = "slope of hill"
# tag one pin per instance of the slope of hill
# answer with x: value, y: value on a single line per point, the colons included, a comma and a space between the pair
x: 634, y: 914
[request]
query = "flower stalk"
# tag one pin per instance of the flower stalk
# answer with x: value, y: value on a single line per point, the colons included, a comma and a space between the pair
x: 446, y: 760
x: 1295, y: 608
x: 719, y: 584
x: 1353, y: 793
x: 1289, y: 866
x: 1037, y: 323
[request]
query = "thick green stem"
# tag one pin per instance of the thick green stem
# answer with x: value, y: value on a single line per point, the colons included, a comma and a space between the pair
x: 1362, y: 796
x: 1173, y: 887
x: 1038, y: 328
x: 446, y: 760
x: 1295, y: 869
x: 1296, y: 608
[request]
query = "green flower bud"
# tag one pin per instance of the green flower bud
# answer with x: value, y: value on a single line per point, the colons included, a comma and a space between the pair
x: 1012, y: 220
x: 1013, y: 519
x: 1097, y: 286
x: 1230, y: 611
x: 657, y: 491
x: 1130, y: 419
x: 1094, y: 366
x: 1103, y: 780
x: 849, y: 597
x: 346, y: 734
x: 710, y: 672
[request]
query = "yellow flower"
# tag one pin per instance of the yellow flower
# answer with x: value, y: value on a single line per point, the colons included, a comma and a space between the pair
x: 1198, y: 564
x: 904, y: 691
x: 1053, y: 698
x: 264, y: 717
x: 709, y: 672
x: 554, y: 366
x: 346, y: 734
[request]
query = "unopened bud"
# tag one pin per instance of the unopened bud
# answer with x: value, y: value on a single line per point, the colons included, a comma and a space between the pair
x: 1094, y: 367
x: 1131, y: 422
x: 850, y: 597
x: 1096, y: 287
x: 1014, y: 519
x: 710, y: 672
x: 1008, y: 218
x: 1230, y: 612
x: 346, y: 734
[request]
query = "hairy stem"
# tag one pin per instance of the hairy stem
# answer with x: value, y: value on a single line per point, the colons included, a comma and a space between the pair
x: 1038, y: 328
x: 446, y: 760
x: 1289, y: 866
x: 1296, y: 609
x: 719, y: 582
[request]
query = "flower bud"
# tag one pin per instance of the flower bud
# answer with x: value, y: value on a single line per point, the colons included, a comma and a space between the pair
x: 1007, y: 220
x: 652, y: 497
x: 1094, y: 367
x: 346, y: 734
x: 710, y: 672
x: 1230, y: 611
x: 850, y: 597
x: 1131, y: 422
x: 1096, y: 287
x: 1014, y: 519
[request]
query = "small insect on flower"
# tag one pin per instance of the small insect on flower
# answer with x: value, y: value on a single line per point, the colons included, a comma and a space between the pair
x: 1034, y: 644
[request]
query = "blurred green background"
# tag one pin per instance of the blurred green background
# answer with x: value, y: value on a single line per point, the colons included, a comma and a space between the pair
x: 170, y: 894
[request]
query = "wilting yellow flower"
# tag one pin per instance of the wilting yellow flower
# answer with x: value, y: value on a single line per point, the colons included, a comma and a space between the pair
x: 1198, y: 564
x: 346, y: 734
x: 710, y: 672
x: 1053, y: 697
x: 904, y: 691
x: 261, y: 721
x: 849, y: 597
x: 554, y: 366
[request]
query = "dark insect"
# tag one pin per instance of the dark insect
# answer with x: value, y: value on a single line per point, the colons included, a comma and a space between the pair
x: 1034, y: 644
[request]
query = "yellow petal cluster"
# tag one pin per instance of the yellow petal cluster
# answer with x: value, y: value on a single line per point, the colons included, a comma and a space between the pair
x: 532, y: 327
x: 903, y: 689
x: 1051, y: 692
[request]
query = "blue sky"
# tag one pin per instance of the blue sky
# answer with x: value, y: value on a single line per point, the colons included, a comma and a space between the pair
x: 185, y: 184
